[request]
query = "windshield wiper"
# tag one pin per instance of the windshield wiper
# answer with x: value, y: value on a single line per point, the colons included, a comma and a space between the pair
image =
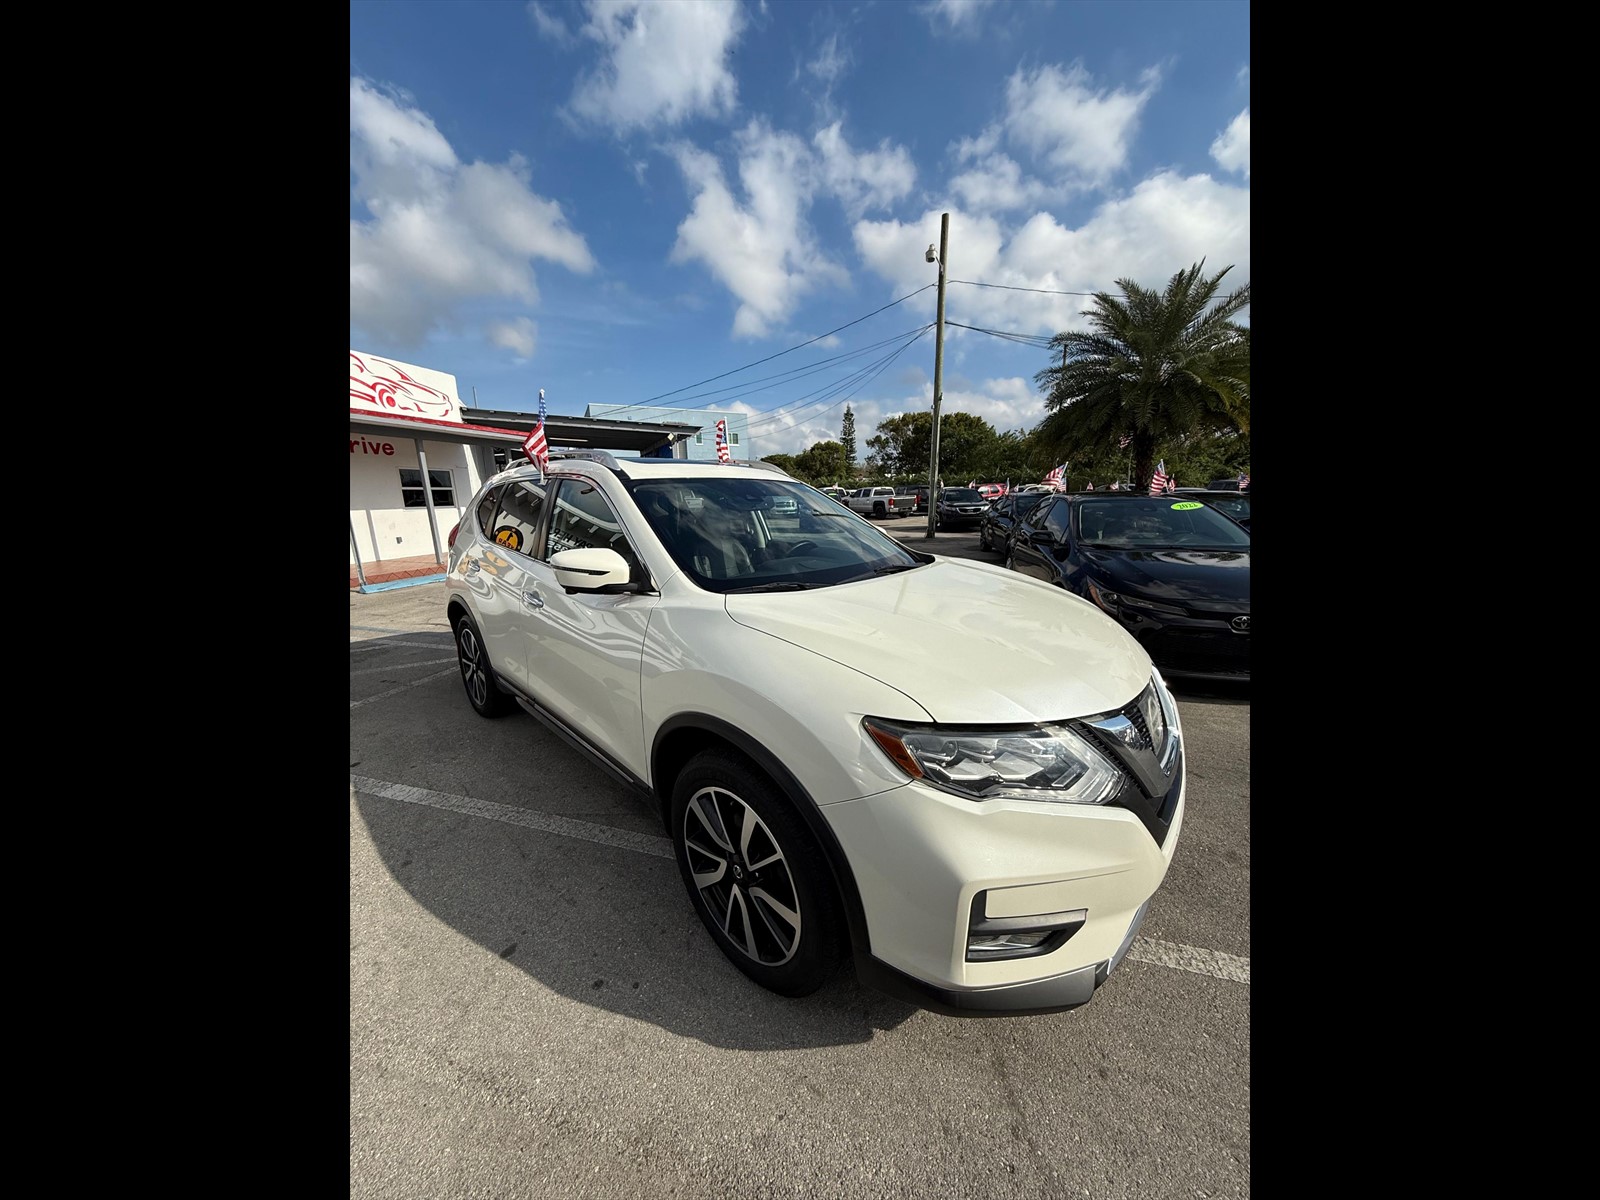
x: 782, y: 585
x: 892, y: 569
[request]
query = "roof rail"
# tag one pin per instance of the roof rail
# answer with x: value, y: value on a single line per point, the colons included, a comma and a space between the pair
x: 603, y: 457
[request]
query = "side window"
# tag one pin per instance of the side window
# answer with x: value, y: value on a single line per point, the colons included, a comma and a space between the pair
x: 516, y: 524
x: 583, y: 518
x: 486, y: 510
x: 1036, y: 519
x: 1056, y: 522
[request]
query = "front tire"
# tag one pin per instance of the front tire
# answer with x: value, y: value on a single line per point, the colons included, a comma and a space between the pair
x: 755, y: 875
x: 483, y: 688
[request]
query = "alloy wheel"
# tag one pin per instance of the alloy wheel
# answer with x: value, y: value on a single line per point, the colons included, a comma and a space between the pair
x: 742, y: 876
x: 470, y: 652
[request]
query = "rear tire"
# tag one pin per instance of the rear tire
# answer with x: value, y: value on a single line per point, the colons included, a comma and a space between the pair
x: 755, y: 875
x: 477, y: 676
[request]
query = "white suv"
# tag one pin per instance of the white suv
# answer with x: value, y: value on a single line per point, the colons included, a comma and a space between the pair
x: 968, y: 781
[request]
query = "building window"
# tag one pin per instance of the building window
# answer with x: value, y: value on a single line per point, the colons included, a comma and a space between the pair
x: 699, y: 439
x: 733, y: 439
x: 444, y: 494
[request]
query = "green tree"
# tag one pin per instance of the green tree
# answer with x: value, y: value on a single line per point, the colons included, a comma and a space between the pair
x: 784, y: 462
x: 822, y: 464
x: 847, y: 438
x: 968, y: 446
x: 1155, y: 367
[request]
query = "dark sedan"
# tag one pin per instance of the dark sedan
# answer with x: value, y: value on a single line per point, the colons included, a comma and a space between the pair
x: 959, y: 508
x: 1236, y: 504
x: 994, y: 530
x: 1175, y: 572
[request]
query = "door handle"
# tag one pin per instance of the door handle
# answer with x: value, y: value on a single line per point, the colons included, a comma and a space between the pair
x: 532, y: 599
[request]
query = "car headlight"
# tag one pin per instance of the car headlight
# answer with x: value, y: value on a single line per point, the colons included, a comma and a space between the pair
x: 1046, y: 762
x: 1116, y: 603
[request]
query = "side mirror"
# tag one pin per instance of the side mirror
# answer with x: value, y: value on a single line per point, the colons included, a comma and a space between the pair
x: 595, y: 569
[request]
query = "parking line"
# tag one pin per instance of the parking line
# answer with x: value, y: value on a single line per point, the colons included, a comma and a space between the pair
x: 1147, y: 950
x: 404, y: 687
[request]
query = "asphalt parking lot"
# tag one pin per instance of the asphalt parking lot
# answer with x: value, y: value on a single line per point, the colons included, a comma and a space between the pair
x: 535, y: 1009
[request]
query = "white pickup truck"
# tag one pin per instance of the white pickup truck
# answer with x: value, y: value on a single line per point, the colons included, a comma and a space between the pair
x: 880, y: 502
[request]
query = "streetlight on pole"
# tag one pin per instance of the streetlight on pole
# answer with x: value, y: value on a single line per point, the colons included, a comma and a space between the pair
x: 938, y: 376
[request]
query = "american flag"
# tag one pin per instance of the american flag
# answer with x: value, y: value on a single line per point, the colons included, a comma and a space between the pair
x: 1122, y: 442
x: 1244, y: 481
x: 723, y: 454
x: 1058, y: 477
x: 1091, y: 487
x: 534, y: 446
x: 1160, y: 482
x: 1116, y: 486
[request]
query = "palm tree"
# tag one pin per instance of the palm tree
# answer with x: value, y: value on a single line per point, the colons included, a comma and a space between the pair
x: 1155, y: 366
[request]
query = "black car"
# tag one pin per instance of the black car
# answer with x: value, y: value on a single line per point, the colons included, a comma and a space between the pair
x: 994, y: 530
x: 959, y: 508
x: 1174, y: 571
x: 1235, y: 503
x: 919, y: 494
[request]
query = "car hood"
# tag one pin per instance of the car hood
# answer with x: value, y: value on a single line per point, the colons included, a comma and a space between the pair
x: 966, y: 640
x: 1214, y: 579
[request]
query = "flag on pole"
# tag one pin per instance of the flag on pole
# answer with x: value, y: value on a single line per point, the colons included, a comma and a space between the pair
x: 1058, y: 477
x: 1116, y: 485
x: 534, y: 445
x: 723, y: 454
x: 1091, y: 487
x: 1159, y: 481
x: 1122, y: 442
x: 1244, y: 481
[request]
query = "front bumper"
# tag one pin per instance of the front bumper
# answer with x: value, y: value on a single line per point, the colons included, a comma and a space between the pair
x: 1058, y: 993
x: 922, y: 859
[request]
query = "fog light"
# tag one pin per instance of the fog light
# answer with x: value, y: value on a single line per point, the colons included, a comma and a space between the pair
x: 1002, y: 945
x: 991, y: 938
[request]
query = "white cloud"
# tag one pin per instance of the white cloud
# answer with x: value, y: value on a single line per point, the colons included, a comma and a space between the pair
x: 1165, y: 225
x: 759, y: 247
x: 440, y: 234
x: 871, y: 179
x: 958, y: 16
x: 662, y: 63
x: 519, y: 335
x: 996, y: 182
x: 550, y: 27
x: 1080, y: 132
x: 1232, y: 147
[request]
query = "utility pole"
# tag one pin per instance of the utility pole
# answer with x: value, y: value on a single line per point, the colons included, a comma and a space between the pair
x: 938, y: 379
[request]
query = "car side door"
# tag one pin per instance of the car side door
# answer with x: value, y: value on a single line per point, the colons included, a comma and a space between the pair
x: 1032, y: 540
x: 497, y: 574
x: 583, y: 658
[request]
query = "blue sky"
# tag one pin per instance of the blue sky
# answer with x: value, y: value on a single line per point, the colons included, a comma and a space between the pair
x: 705, y: 203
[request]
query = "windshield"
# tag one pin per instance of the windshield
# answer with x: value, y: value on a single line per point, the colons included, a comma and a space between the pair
x: 961, y: 496
x: 758, y: 533
x: 1157, y: 523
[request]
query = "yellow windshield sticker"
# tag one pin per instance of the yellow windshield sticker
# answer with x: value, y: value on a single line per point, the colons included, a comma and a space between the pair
x: 1183, y: 504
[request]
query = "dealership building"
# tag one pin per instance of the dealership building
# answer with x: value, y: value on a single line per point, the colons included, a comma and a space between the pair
x: 418, y: 455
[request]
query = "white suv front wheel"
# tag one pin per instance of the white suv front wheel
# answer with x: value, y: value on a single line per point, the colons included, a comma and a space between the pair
x: 755, y: 875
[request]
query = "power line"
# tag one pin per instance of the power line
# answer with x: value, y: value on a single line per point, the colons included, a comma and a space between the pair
x: 1008, y: 288
x: 770, y: 357
x: 798, y: 372
x: 862, y: 377
x: 1027, y: 339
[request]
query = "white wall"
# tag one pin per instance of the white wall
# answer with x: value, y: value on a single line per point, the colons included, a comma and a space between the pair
x: 385, y: 529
